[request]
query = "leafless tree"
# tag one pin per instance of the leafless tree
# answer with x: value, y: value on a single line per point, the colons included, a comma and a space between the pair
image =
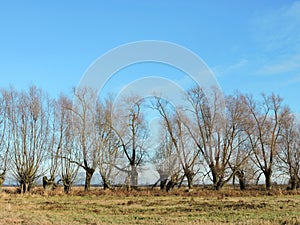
x: 28, y: 114
x: 266, y: 119
x: 108, y: 141
x: 238, y: 149
x: 5, y: 138
x: 206, y: 132
x: 166, y: 160
x: 85, y: 136
x: 132, y: 133
x: 176, y: 125
x: 217, y: 132
x: 52, y: 155
x: 289, y: 154
x: 65, y: 152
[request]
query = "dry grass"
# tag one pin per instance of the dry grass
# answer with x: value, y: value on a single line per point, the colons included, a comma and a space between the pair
x: 150, y: 207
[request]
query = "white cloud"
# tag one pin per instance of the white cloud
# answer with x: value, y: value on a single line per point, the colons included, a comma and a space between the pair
x: 229, y: 69
x: 277, y: 34
x: 278, y: 29
x: 285, y: 66
x: 276, y: 46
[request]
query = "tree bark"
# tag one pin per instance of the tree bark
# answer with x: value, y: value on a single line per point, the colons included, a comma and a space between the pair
x: 163, y: 179
x: 190, y: 177
x: 1, y: 184
x: 218, y: 181
x: 134, y: 177
x: 219, y: 184
x: 171, y: 184
x: 67, y: 185
x: 2, y: 178
x: 88, y: 177
x: 268, y: 177
x: 242, y: 179
x: 25, y: 187
x: 67, y: 188
x: 294, y: 182
x: 48, y: 184
x: 106, y: 183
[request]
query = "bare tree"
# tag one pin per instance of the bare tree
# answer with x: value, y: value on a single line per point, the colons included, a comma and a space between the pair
x: 64, y: 152
x: 5, y: 137
x: 289, y: 154
x: 207, y: 132
x: 217, y: 133
x: 165, y: 160
x: 132, y: 133
x: 264, y: 128
x: 85, y: 137
x: 239, y: 151
x: 28, y: 114
x: 176, y: 124
x: 52, y: 155
x: 108, y: 141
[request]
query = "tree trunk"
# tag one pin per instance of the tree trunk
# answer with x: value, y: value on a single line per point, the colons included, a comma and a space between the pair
x: 190, y: 176
x: 26, y: 183
x: 88, y: 177
x: 106, y: 184
x: 242, y: 179
x: 25, y: 187
x: 294, y: 182
x: 215, y: 180
x: 67, y: 188
x: 171, y: 184
x: 242, y: 183
x: 163, y: 184
x: 1, y: 184
x: 268, y: 177
x: 219, y: 184
x: 2, y: 178
x: 48, y: 185
x: 134, y: 177
x: 67, y: 185
x: 163, y: 179
x: 218, y: 181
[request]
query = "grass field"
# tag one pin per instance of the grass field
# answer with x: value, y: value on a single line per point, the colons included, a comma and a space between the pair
x: 150, y: 207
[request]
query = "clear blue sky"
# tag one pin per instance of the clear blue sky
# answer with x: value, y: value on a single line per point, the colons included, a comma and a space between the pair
x: 252, y: 46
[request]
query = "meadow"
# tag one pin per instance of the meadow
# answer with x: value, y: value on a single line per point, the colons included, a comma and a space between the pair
x: 150, y: 207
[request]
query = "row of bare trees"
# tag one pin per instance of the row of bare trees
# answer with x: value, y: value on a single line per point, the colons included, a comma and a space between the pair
x: 53, y: 139
x: 247, y: 139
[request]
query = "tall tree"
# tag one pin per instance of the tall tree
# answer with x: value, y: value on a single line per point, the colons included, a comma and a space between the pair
x: 236, y: 136
x: 132, y: 133
x: 52, y: 155
x: 176, y: 125
x: 85, y: 136
x: 108, y: 141
x: 217, y: 132
x: 289, y: 154
x: 209, y: 133
x: 28, y: 113
x: 166, y: 160
x: 264, y: 129
x: 5, y: 139
x: 65, y: 153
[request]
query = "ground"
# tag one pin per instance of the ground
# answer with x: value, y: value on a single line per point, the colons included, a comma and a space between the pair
x: 150, y: 207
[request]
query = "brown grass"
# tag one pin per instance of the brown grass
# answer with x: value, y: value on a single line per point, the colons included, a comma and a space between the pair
x: 145, y: 206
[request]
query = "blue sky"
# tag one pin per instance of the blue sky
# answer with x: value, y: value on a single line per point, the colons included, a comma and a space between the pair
x: 252, y: 46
